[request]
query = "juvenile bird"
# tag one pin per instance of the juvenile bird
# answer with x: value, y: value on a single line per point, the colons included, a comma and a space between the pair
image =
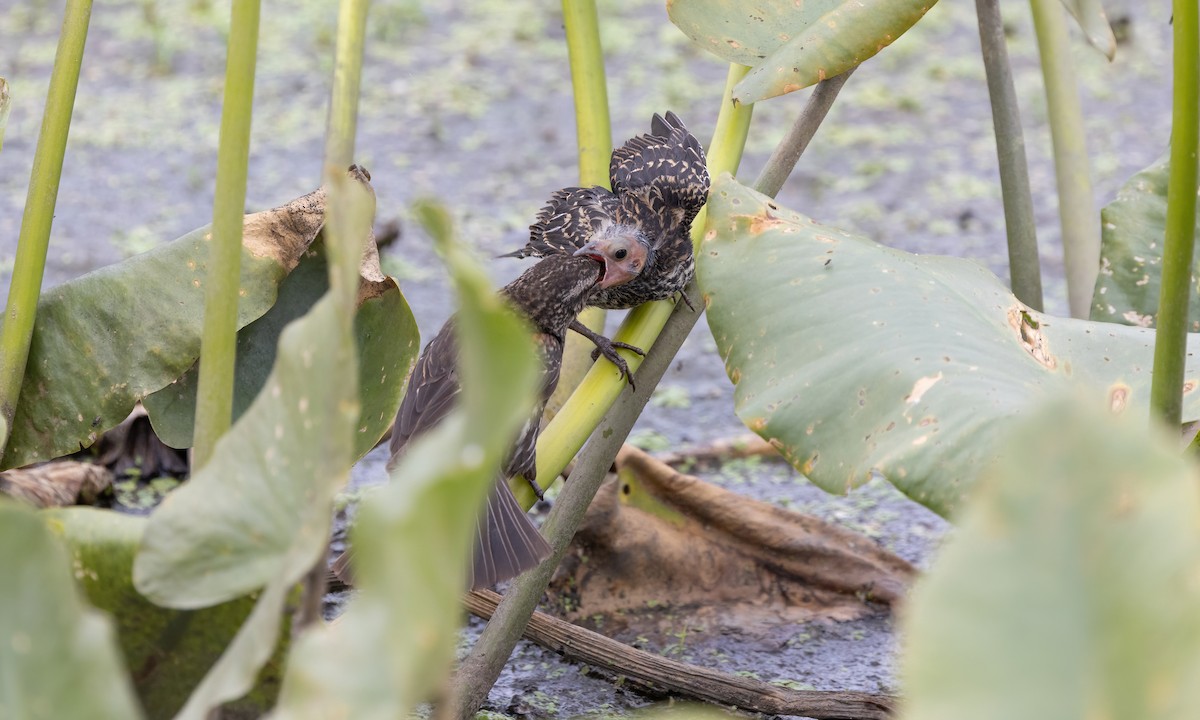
x: 639, y: 230
x: 550, y: 294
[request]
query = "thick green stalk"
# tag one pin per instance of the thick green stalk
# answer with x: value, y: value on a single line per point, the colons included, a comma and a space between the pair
x: 1024, y: 268
x: 5, y: 106
x: 347, y: 78
x: 593, y: 128
x: 1170, y: 335
x: 218, y: 345
x: 34, y: 239
x: 572, y: 426
x: 593, y: 132
x: 1076, y: 206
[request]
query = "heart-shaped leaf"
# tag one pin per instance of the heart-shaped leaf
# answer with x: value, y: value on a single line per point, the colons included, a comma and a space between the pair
x: 855, y: 359
x: 793, y: 45
x: 387, y: 340
x: 58, y: 656
x: 104, y: 341
x: 1134, y: 226
x: 1094, y: 22
x: 1072, y: 576
x: 168, y: 651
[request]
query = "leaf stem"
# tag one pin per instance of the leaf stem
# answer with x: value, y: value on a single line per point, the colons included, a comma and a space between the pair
x: 34, y: 238
x: 1025, y: 274
x: 787, y: 153
x: 593, y: 131
x: 593, y: 128
x: 218, y: 344
x: 347, y: 79
x: 1170, y: 335
x: 1077, y: 207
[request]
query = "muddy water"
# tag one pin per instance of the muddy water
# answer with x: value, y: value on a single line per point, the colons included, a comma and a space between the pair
x: 470, y: 102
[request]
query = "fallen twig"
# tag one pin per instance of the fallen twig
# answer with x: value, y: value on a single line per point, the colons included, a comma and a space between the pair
x: 654, y: 672
x: 56, y: 484
x: 742, y: 446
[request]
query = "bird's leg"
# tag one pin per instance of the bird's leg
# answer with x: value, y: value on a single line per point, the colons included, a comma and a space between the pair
x: 608, y: 348
x: 537, y: 489
x: 687, y: 301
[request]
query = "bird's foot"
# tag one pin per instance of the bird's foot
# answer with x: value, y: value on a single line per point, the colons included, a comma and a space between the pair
x: 608, y: 348
x: 687, y: 301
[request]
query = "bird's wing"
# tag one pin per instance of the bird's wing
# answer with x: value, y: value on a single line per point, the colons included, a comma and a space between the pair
x: 432, y: 391
x: 664, y: 170
x: 568, y: 221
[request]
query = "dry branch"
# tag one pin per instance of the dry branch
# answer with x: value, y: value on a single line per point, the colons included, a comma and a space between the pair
x: 656, y: 673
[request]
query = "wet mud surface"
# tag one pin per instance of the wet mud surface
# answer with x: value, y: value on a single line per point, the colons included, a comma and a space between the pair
x: 470, y: 103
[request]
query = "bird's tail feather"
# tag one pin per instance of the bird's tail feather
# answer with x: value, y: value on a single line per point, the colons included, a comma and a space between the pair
x: 507, y: 543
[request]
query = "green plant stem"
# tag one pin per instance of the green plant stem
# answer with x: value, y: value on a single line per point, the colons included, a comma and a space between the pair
x: 787, y: 153
x: 1024, y: 268
x: 593, y: 131
x: 347, y: 77
x: 34, y: 239
x: 593, y: 128
x: 1077, y: 207
x: 344, y: 240
x: 1170, y: 335
x: 571, y: 427
x: 218, y: 344
x: 5, y: 107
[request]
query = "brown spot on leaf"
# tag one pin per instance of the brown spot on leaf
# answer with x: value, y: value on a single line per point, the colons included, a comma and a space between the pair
x: 1118, y: 397
x: 1031, y: 336
x: 761, y: 223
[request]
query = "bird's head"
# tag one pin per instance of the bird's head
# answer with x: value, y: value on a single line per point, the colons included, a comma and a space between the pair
x: 623, y: 252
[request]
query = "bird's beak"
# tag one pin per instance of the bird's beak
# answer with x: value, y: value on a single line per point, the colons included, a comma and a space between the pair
x: 614, y: 274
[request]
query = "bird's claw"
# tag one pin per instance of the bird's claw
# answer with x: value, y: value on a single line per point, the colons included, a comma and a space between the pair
x: 608, y: 348
x: 687, y: 301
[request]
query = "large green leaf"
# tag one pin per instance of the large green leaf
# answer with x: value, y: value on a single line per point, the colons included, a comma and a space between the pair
x: 1094, y: 22
x: 168, y: 651
x: 793, y: 45
x: 58, y: 656
x: 387, y: 341
x: 258, y: 513
x: 854, y: 359
x: 394, y: 645
x: 1070, y: 589
x: 1134, y: 225
x: 104, y: 341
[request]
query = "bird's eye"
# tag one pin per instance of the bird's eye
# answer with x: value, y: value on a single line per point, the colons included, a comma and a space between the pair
x: 621, y: 253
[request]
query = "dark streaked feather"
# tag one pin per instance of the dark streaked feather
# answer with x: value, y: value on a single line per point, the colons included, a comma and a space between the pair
x: 666, y: 169
x: 550, y: 294
x: 568, y: 221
